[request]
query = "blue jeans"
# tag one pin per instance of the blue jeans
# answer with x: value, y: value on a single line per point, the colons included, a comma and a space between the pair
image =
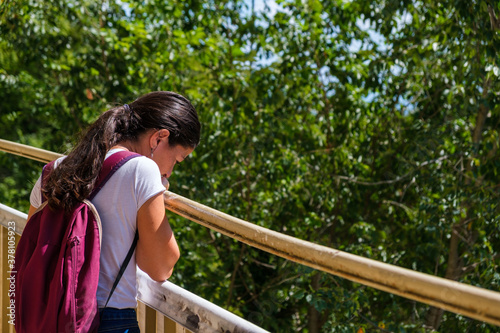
x: 118, y: 321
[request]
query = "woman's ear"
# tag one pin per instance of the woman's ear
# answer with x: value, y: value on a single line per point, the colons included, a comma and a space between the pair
x: 154, y: 139
x: 157, y: 136
x: 163, y: 133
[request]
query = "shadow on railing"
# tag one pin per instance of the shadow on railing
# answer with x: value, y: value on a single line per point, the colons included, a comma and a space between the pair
x: 474, y: 302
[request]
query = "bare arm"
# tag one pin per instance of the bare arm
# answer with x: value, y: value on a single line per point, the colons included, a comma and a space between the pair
x: 157, y: 250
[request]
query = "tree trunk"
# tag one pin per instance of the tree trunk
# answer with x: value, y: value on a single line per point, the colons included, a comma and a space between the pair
x: 453, y: 272
x: 454, y: 264
x: 313, y: 315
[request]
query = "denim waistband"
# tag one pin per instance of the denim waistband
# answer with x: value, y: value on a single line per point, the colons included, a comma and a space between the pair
x: 114, y: 314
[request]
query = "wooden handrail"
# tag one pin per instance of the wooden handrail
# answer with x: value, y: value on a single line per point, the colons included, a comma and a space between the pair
x: 33, y: 153
x: 474, y: 302
x: 191, y: 311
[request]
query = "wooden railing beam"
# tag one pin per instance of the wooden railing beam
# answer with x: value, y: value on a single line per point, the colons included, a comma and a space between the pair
x: 33, y: 153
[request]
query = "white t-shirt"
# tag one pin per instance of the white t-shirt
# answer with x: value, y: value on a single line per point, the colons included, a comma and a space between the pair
x: 117, y: 203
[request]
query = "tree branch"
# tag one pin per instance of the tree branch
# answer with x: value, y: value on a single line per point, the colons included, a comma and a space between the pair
x: 390, y: 181
x: 466, y: 270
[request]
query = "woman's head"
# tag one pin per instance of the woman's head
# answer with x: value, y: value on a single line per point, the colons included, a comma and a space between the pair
x: 160, y: 115
x: 159, y: 110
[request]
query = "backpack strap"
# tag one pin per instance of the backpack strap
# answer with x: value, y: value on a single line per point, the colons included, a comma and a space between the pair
x: 111, y: 164
x: 124, y: 266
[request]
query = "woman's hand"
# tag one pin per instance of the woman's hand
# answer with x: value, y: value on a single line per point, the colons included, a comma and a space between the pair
x: 164, y: 181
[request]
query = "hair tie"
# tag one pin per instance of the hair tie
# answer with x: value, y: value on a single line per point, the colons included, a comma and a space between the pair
x: 127, y: 108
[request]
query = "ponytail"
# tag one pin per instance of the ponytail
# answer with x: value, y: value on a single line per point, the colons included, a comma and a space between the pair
x: 73, y: 180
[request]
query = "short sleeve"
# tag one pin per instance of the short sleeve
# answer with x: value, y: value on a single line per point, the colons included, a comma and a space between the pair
x: 148, y: 181
x: 36, y: 194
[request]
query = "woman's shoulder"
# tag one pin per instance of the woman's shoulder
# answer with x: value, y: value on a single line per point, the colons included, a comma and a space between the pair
x: 144, y: 164
x: 140, y: 165
x: 143, y: 175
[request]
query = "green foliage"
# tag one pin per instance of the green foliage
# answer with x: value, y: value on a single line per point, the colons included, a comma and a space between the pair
x: 367, y: 126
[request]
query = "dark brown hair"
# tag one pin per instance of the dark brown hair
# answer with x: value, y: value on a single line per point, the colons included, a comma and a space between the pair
x: 74, y: 179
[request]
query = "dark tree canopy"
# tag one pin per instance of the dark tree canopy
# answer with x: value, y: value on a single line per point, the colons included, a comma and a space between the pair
x: 367, y: 126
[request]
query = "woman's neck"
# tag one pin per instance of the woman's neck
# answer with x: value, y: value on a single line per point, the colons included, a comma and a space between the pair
x: 119, y: 147
x: 126, y: 145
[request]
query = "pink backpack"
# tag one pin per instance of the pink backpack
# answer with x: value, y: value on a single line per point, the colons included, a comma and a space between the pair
x: 57, y: 264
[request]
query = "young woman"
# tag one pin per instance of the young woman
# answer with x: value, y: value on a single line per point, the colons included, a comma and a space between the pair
x: 164, y: 128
